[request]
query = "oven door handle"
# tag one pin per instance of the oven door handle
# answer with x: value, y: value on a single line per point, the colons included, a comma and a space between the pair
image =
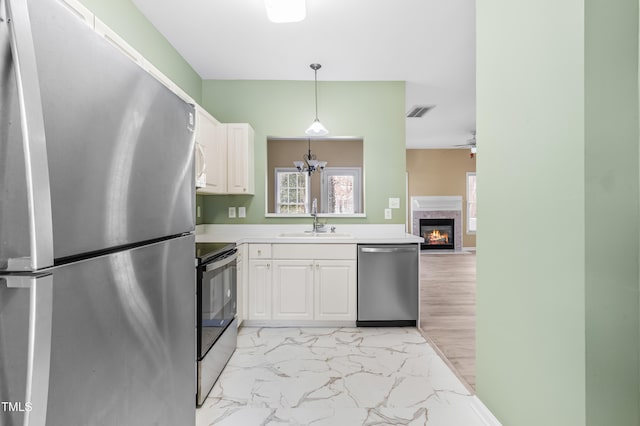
x: 223, y: 262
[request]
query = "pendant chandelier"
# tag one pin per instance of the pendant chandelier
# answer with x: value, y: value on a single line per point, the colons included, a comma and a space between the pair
x: 316, y: 128
x: 311, y: 163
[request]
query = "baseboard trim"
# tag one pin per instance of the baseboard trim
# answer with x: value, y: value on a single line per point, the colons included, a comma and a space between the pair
x: 297, y: 323
x: 483, y: 412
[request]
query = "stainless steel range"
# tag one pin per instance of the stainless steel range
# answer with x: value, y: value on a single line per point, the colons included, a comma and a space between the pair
x: 216, y: 322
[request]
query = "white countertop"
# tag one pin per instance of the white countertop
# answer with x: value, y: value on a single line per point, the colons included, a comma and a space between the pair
x: 344, y: 234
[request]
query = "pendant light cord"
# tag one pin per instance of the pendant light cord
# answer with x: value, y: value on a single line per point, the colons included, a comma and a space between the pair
x: 316, y: 85
x: 316, y: 128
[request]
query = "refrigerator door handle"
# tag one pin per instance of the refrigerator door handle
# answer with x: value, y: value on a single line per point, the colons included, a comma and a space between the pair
x: 39, y: 352
x: 33, y: 139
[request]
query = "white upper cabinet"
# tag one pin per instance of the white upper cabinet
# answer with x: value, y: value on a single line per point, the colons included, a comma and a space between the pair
x: 240, y: 159
x: 211, y: 175
x: 229, y: 156
x: 200, y: 165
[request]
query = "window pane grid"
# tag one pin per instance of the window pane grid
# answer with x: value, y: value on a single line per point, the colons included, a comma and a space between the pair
x: 292, y: 192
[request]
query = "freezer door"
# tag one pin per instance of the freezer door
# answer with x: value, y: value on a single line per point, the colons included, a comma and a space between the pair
x: 122, y: 340
x: 25, y: 348
x: 119, y: 144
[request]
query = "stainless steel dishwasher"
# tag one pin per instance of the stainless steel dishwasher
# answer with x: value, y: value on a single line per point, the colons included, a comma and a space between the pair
x: 387, y: 285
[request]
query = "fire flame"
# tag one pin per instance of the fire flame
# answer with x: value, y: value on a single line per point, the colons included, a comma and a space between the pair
x: 435, y: 237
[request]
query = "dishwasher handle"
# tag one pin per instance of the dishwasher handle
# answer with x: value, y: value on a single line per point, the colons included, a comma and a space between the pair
x: 388, y: 249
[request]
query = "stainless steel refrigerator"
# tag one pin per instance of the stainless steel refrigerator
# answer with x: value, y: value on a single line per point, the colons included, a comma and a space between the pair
x: 97, y: 277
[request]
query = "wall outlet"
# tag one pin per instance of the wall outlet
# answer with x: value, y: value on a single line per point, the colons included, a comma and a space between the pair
x: 198, y: 211
x: 242, y: 211
x: 232, y: 212
x: 387, y: 213
x: 394, y: 203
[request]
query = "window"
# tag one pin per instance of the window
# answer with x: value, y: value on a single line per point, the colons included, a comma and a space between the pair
x: 292, y: 191
x: 471, y: 203
x: 341, y: 189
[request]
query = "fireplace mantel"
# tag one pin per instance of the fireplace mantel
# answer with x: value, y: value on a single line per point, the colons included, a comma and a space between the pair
x: 436, y: 203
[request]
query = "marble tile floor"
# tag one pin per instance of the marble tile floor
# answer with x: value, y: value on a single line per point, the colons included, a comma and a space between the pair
x: 338, y: 376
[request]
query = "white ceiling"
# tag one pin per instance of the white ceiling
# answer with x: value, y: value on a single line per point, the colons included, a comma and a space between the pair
x: 430, y: 44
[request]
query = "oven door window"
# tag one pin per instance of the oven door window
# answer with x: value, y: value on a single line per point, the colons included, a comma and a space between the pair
x: 217, y: 303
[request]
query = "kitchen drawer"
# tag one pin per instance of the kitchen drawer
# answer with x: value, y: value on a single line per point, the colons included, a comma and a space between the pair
x: 314, y: 251
x: 259, y: 251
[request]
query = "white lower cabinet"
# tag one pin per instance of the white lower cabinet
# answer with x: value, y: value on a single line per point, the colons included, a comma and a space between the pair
x: 302, y: 282
x: 335, y: 290
x: 259, y: 289
x: 292, y: 290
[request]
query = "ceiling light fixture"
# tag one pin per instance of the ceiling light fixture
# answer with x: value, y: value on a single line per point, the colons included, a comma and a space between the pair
x: 283, y: 11
x: 316, y: 128
x: 310, y: 163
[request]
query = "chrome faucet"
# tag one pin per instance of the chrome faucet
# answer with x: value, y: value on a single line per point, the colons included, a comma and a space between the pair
x: 314, y: 213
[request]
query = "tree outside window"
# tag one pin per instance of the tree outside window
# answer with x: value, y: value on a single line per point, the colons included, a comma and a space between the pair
x: 292, y: 191
x: 341, y: 189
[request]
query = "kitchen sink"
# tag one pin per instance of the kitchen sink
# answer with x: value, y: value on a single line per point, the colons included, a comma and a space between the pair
x: 314, y: 235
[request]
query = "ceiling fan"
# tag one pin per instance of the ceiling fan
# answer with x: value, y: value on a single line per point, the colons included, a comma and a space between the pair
x: 471, y: 144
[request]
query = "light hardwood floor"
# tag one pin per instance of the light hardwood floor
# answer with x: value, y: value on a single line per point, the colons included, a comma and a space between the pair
x: 448, y: 308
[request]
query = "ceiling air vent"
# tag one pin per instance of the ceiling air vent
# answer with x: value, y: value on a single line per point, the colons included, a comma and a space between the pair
x: 419, y: 110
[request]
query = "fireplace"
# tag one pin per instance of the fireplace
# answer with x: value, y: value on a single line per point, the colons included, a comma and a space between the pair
x: 438, y: 234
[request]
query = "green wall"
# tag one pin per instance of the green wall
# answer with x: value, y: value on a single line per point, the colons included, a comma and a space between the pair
x: 125, y: 19
x: 611, y: 176
x: 557, y: 301
x: 372, y: 110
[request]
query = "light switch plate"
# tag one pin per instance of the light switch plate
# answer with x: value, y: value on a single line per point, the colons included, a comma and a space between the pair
x: 394, y: 203
x: 387, y: 213
x: 232, y: 212
x: 198, y: 211
x: 242, y: 211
